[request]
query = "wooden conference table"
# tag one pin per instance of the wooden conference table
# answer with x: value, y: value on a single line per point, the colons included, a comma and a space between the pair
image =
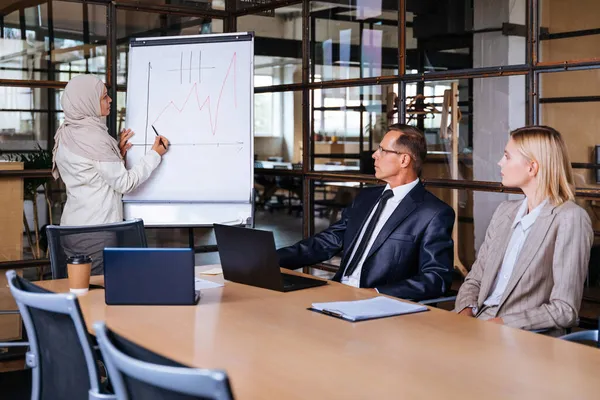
x: 273, y: 348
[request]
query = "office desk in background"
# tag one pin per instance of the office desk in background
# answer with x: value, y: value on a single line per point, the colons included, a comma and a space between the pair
x: 273, y: 348
x: 318, y: 167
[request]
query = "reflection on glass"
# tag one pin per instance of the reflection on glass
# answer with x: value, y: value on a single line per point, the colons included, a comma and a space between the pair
x: 79, y: 45
x: 23, y: 49
x: 76, y: 44
x: 277, y: 43
x: 353, y: 41
x: 277, y: 128
x: 281, y: 70
x: 371, y: 53
x: 27, y: 116
x: 368, y: 9
x: 431, y: 99
x: 144, y: 24
x: 263, y: 114
x: 340, y: 117
x: 24, y: 130
x: 327, y: 60
x: 488, y: 109
x: 345, y: 42
x: 75, y: 47
x: 447, y: 35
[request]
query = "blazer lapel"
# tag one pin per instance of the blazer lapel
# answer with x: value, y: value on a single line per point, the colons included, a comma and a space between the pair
x: 358, y: 228
x: 504, y: 232
x: 530, y: 248
x: 403, y: 210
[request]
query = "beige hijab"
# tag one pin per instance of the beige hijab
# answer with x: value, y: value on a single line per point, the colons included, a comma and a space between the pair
x: 84, y: 130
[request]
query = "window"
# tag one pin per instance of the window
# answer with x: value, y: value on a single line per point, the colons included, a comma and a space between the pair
x: 434, y: 95
x: 264, y: 117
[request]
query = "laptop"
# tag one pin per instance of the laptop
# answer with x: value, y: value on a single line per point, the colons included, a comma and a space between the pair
x: 248, y: 256
x: 148, y: 276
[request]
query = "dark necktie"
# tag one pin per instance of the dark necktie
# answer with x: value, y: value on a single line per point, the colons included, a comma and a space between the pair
x: 368, y: 233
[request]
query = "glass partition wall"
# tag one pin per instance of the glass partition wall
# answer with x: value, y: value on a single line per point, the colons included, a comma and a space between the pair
x: 330, y: 76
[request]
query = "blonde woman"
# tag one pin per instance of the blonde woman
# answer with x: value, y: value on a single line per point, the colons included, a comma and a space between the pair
x: 532, y: 265
x: 90, y: 163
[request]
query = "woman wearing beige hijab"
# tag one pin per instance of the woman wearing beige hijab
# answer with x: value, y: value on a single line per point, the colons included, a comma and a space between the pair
x: 90, y: 163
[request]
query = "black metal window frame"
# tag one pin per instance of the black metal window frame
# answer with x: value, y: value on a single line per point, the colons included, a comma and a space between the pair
x: 531, y: 70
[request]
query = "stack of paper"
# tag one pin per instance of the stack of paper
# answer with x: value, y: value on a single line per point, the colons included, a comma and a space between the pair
x: 201, y: 284
x: 213, y: 271
x: 360, y: 310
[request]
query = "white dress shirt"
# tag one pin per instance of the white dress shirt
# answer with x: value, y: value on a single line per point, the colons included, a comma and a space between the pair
x: 400, y: 193
x: 521, y: 227
x: 95, y: 188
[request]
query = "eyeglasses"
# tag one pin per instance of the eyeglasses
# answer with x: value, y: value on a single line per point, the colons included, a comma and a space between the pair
x: 381, y: 150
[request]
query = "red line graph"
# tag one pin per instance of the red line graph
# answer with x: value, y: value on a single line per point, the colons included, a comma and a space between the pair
x: 207, y: 101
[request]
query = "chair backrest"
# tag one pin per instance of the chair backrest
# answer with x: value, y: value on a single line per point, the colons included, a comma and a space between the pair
x: 65, y: 241
x: 589, y: 337
x: 61, y: 357
x: 137, y: 373
x: 367, y: 164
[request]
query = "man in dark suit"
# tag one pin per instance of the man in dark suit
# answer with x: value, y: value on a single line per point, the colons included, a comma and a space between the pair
x: 396, y: 239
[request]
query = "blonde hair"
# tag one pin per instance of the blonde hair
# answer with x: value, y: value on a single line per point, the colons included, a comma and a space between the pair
x: 546, y: 147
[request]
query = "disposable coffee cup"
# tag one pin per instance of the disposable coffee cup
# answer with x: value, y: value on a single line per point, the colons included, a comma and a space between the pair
x: 79, y: 269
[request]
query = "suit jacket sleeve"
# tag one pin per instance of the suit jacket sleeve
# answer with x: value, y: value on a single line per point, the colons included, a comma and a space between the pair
x: 436, y: 262
x: 318, y: 248
x: 569, y: 269
x: 469, y: 290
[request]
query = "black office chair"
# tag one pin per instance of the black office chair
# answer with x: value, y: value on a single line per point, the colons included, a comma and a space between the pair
x: 137, y: 373
x: 91, y: 240
x: 449, y: 297
x: 61, y: 358
x: 367, y: 164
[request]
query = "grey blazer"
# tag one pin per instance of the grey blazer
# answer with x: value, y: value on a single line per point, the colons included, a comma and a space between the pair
x: 546, y: 286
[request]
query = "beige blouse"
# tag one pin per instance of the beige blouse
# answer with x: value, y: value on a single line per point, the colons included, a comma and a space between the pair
x: 95, y: 188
